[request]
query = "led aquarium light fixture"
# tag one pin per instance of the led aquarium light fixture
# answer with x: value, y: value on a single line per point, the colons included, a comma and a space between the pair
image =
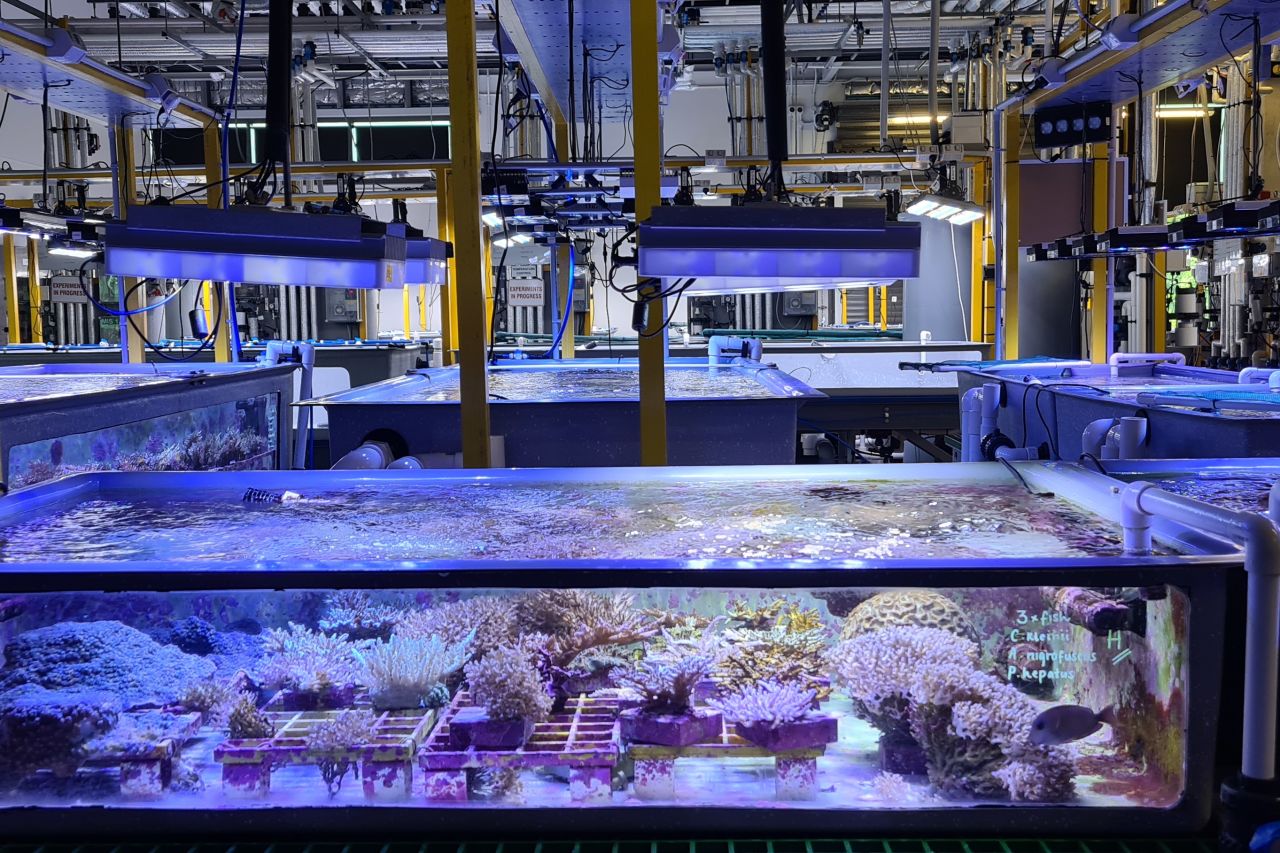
x: 771, y: 247
x: 11, y: 221
x: 69, y: 249
x: 255, y: 245
x: 947, y: 209
x: 427, y: 259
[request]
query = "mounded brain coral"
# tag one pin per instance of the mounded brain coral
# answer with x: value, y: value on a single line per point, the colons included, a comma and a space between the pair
x: 47, y: 729
x: 104, y: 656
x: 908, y: 607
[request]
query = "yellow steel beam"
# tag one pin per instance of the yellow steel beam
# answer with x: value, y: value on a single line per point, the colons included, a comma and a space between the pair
x: 468, y: 244
x: 408, y: 312
x: 88, y: 73
x: 9, y: 258
x: 1012, y: 232
x: 448, y: 318
x: 646, y: 124
x: 516, y: 29
x: 222, y: 350
x: 34, y: 302
x: 1100, y: 313
x: 884, y: 308
x: 490, y: 286
x: 134, y: 350
x: 844, y: 307
x: 422, y: 308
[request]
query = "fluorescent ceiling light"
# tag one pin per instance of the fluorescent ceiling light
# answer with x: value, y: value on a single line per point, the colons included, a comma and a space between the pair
x: 1181, y: 112
x: 72, y: 251
x: 44, y: 221
x: 946, y: 209
x: 512, y: 240
x: 922, y: 118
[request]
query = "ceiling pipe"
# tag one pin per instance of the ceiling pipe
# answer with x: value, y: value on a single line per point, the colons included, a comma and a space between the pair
x: 773, y: 55
x: 935, y: 19
x: 886, y: 23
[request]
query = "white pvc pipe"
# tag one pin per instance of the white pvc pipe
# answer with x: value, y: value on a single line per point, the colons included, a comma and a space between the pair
x: 970, y: 417
x: 1094, y: 437
x: 1018, y: 454
x: 1125, y: 439
x: 1258, y: 375
x: 1261, y: 540
x: 370, y: 456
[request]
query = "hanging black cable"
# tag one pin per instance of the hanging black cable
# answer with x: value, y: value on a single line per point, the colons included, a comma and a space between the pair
x: 773, y: 55
x: 279, y: 66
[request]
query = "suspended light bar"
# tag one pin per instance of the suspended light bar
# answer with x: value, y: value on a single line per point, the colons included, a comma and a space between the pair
x: 11, y: 220
x: 427, y: 259
x: 257, y: 246
x: 72, y: 250
x: 769, y: 247
x: 946, y: 209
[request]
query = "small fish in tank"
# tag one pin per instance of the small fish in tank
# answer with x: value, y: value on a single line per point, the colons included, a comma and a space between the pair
x: 839, y: 699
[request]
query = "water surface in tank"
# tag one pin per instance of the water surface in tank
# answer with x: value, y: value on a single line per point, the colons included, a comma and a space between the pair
x: 697, y: 519
x: 15, y: 389
x: 580, y: 383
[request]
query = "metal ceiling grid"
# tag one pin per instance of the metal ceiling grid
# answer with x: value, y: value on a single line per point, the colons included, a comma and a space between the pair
x: 86, y: 88
x: 600, y: 26
x: 1183, y: 53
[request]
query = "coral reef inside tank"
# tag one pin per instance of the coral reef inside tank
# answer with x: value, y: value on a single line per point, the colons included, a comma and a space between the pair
x: 834, y: 699
x: 226, y: 436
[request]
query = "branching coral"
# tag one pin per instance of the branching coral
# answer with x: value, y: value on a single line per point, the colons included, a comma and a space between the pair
x: 352, y: 612
x: 332, y: 740
x: 489, y: 620
x: 576, y: 622
x: 874, y: 670
x: 779, y: 653
x: 923, y: 683
x: 507, y: 683
x: 665, y: 681
x: 401, y: 672
x: 305, y: 660
x: 780, y: 613
x: 770, y: 702
x: 246, y: 721
x: 214, y: 699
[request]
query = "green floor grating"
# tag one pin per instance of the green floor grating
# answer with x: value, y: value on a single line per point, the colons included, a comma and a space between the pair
x: 858, y: 845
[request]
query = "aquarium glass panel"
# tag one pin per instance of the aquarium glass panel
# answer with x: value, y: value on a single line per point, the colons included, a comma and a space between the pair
x: 235, y: 435
x: 837, y: 699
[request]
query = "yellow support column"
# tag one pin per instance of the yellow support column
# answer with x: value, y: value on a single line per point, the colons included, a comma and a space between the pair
x: 422, y: 308
x: 490, y: 287
x: 884, y: 308
x: 10, y: 261
x: 646, y: 123
x: 980, y: 240
x: 408, y: 312
x: 1159, y: 302
x: 34, y: 301
x: 1012, y: 231
x: 1100, y: 302
x: 844, y: 307
x: 133, y: 349
x: 444, y: 230
x: 564, y: 271
x: 213, y: 198
x: 468, y: 247
x: 871, y: 304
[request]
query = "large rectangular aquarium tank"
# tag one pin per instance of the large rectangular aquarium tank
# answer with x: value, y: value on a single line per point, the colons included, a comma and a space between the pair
x: 1191, y: 412
x: 71, y: 418
x: 600, y: 651
x: 573, y: 413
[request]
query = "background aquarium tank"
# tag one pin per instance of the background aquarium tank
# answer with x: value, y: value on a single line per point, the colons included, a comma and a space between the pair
x: 731, y: 649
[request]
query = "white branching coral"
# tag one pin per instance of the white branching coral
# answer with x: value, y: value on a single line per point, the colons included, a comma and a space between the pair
x: 353, y: 612
x: 665, y: 681
x: 489, y: 620
x: 771, y: 702
x: 402, y: 671
x: 302, y: 659
x: 876, y: 669
x: 507, y: 683
x: 924, y: 684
